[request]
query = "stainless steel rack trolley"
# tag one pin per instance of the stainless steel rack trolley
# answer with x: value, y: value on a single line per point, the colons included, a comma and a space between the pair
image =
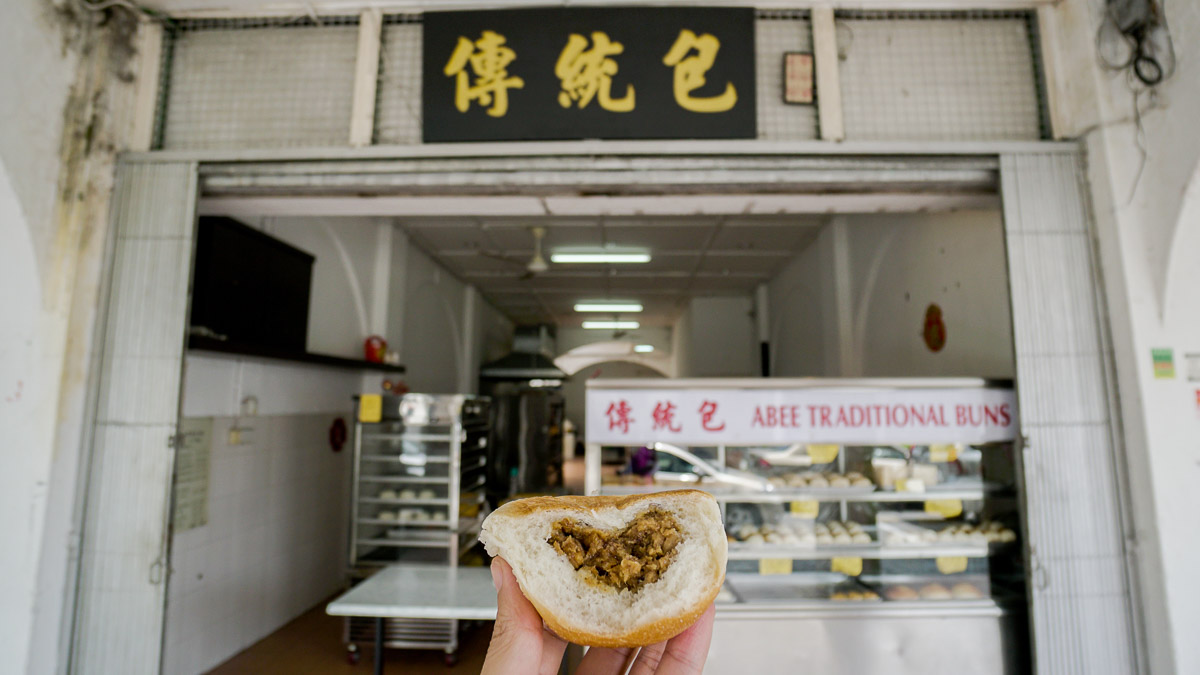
x: 418, y: 497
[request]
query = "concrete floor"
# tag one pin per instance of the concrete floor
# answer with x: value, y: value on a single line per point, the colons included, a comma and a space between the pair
x: 312, y: 645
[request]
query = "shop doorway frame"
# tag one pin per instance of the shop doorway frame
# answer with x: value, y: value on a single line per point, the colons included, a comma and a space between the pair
x: 1084, y: 607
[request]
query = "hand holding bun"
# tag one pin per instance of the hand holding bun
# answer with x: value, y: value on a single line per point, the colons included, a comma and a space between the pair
x: 613, y: 571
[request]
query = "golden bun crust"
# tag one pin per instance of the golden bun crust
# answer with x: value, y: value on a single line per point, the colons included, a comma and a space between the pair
x: 530, y: 505
x: 658, y: 631
x: 646, y: 635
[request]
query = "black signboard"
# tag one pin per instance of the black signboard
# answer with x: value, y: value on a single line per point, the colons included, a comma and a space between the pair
x: 589, y: 72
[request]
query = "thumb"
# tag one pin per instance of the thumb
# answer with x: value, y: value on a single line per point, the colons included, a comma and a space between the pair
x: 516, y: 645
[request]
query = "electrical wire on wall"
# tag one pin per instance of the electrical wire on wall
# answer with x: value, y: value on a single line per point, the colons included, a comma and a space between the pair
x: 1134, y: 38
x: 105, y: 6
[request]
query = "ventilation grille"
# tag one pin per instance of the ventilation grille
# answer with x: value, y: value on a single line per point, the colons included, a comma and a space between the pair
x: 777, y: 33
x: 259, y: 84
x: 277, y: 83
x: 939, y: 76
x: 398, y: 101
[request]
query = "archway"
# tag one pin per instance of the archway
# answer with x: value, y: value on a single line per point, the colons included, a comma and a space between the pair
x: 585, y: 356
x: 1182, y: 291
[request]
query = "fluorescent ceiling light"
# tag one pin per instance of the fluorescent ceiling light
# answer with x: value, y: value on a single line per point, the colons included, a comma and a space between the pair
x: 643, y: 349
x: 600, y: 255
x: 611, y: 307
x: 612, y: 325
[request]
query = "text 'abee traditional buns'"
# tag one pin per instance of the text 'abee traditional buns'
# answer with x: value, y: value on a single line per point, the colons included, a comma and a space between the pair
x: 614, y: 571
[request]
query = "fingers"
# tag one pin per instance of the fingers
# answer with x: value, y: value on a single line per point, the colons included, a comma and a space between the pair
x: 683, y: 654
x: 552, y: 653
x: 648, y: 659
x: 686, y: 653
x: 605, y: 661
x: 518, y: 637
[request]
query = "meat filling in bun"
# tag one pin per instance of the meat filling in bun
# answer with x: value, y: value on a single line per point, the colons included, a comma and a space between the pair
x: 614, y: 571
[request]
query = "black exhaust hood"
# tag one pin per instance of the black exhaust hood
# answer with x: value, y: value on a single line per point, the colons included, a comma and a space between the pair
x: 529, y: 359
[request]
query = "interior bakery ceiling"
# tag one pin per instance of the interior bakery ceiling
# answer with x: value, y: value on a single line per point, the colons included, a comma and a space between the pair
x: 692, y: 256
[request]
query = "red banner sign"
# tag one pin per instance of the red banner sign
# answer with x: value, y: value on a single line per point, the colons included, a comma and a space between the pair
x: 784, y: 416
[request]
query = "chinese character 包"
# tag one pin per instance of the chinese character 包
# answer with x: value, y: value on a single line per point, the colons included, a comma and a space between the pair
x: 690, y: 70
x: 708, y: 410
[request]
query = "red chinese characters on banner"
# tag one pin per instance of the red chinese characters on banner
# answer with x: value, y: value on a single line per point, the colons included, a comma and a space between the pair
x: 664, y: 416
x: 708, y: 410
x: 618, y: 416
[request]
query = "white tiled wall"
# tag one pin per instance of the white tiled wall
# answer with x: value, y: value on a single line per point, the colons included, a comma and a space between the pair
x: 274, y: 545
x: 215, y: 385
x: 1081, y: 606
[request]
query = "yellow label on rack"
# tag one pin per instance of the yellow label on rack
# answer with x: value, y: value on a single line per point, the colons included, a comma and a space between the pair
x: 822, y: 454
x: 370, y: 408
x: 775, y: 566
x: 952, y: 565
x: 848, y: 566
x: 946, y: 508
x: 943, y: 453
x: 806, y: 509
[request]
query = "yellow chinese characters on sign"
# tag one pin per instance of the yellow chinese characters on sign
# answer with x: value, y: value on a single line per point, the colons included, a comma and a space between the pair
x: 586, y: 74
x: 488, y: 59
x: 690, y: 70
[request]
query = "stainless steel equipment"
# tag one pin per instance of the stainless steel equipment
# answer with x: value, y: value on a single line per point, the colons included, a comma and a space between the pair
x: 525, y: 455
x: 418, y: 497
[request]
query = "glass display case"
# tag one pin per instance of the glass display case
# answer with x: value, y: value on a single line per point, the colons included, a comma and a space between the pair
x: 879, y: 502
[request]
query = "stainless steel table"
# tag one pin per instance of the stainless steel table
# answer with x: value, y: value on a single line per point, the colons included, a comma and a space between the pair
x: 419, y: 592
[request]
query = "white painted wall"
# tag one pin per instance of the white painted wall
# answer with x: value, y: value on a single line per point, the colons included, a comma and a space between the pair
x: 681, y: 343
x: 274, y: 544
x: 866, y: 319
x: 492, y: 338
x: 25, y: 400
x: 723, y: 340
x: 1150, y: 256
x: 801, y: 298
x: 342, y: 292
x: 953, y: 259
x: 278, y: 506
x: 35, y: 81
x: 432, y: 325
x: 44, y: 276
x: 214, y: 386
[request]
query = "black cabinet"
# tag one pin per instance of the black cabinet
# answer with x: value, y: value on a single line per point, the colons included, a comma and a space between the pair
x: 249, y: 289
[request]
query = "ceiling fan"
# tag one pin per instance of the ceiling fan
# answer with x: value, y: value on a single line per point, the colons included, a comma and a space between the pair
x: 535, y: 265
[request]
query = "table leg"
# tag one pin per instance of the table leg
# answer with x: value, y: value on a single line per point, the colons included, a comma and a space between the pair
x: 379, y: 646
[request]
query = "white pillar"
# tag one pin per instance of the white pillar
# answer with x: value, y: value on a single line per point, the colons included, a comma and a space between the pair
x: 829, y: 86
x: 366, y: 78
